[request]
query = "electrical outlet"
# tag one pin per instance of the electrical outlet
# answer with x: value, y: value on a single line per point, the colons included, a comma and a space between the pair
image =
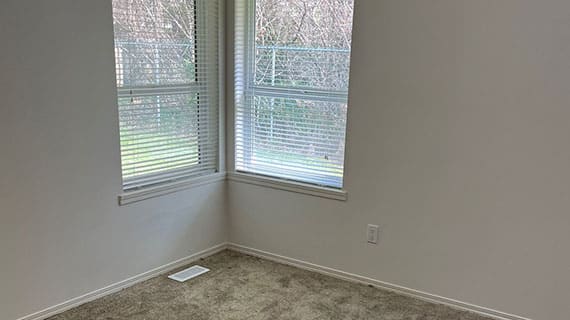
x: 372, y: 233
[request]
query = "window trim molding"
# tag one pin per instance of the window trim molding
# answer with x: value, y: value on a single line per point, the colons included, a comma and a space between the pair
x: 167, y: 188
x: 164, y: 188
x: 153, y: 190
x: 288, y: 185
x: 236, y: 64
x: 130, y: 197
x: 243, y: 43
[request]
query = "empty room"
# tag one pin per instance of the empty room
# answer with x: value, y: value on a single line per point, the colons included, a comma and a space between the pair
x: 285, y: 159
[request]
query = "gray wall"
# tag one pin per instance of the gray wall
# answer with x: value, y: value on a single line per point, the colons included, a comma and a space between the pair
x: 62, y: 233
x: 458, y: 146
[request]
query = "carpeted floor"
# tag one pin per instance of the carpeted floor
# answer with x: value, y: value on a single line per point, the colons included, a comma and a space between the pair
x: 244, y: 287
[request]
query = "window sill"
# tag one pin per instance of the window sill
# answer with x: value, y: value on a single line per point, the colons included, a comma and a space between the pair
x: 298, y: 187
x: 153, y: 192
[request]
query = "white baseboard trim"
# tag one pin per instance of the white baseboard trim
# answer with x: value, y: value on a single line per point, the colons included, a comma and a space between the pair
x: 72, y: 303
x: 377, y: 283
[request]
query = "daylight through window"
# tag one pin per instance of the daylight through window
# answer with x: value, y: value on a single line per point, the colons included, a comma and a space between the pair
x: 292, y: 95
x: 166, y: 54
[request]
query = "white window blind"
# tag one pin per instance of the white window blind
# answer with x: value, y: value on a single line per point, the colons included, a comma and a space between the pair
x: 292, y: 69
x: 166, y: 54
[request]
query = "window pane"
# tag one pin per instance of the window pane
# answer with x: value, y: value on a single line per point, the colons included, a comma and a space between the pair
x: 158, y: 133
x: 296, y: 139
x: 303, y: 43
x: 154, y: 42
x: 289, y: 66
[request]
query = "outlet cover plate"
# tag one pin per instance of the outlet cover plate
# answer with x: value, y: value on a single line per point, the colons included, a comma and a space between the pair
x: 372, y: 233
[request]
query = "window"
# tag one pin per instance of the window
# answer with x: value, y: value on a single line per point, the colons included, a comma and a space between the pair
x: 292, y: 89
x: 166, y: 54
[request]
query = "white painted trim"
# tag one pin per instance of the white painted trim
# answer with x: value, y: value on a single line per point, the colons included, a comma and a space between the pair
x: 72, y: 303
x: 77, y: 301
x: 377, y: 283
x: 166, y: 188
x: 280, y: 184
x: 222, y: 125
x: 287, y: 185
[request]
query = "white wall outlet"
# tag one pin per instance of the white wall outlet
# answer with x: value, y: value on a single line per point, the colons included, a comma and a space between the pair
x: 372, y: 233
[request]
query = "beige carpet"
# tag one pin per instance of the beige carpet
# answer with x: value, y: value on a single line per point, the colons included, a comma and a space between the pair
x: 245, y: 287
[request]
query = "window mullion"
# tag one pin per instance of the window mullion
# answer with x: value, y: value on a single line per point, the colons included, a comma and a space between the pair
x: 153, y: 91
x: 306, y: 94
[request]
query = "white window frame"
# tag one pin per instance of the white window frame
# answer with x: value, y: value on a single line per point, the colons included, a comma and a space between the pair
x: 132, y: 196
x: 243, y: 59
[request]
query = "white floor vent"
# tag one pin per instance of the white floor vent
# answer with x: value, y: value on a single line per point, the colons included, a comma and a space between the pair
x: 188, y: 274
